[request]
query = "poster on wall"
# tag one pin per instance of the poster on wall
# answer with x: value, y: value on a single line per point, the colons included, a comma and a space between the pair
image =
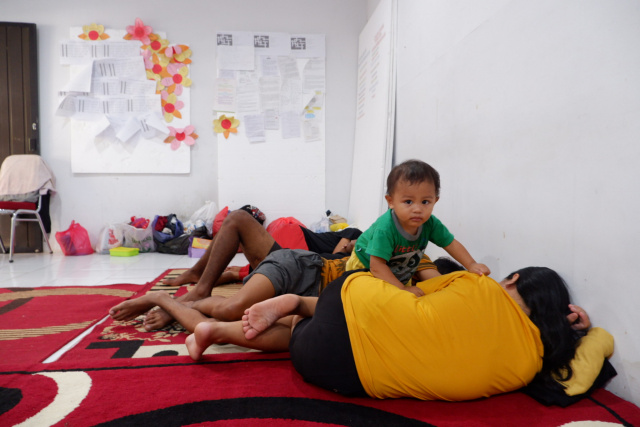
x: 127, y: 100
x: 269, y: 103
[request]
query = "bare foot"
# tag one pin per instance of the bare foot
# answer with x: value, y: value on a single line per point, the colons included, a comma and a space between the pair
x: 185, y: 278
x: 259, y: 317
x: 157, y: 319
x: 130, y: 309
x: 230, y: 275
x: 199, y: 340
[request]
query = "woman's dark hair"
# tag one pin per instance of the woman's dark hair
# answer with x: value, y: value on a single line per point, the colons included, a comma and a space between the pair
x: 547, y: 296
x: 446, y: 265
x: 413, y: 172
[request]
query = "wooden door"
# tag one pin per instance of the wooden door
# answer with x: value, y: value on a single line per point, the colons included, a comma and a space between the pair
x: 19, y: 121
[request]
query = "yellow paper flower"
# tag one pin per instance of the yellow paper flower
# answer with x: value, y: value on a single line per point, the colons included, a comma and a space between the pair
x: 171, y: 106
x: 93, y: 32
x: 226, y: 125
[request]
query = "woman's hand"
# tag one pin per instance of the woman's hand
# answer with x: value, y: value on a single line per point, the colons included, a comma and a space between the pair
x: 578, y: 318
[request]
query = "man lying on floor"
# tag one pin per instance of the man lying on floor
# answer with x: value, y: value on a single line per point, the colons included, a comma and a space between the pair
x: 276, y: 272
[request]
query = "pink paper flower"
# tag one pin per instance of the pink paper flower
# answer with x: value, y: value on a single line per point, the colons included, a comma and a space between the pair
x: 178, y: 77
x: 177, y: 136
x: 140, y: 31
x: 178, y: 53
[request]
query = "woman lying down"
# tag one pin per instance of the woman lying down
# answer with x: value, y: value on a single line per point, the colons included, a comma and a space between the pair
x: 468, y: 337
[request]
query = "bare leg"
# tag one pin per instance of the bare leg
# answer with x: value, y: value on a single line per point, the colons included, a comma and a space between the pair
x: 261, y: 316
x: 130, y: 309
x: 213, y: 332
x: 238, y: 228
x: 258, y: 288
x: 193, y: 274
x: 181, y: 312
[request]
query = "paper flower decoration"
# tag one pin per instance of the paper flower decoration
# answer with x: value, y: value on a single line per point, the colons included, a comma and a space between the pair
x: 226, y: 125
x: 159, y: 45
x: 177, y: 136
x: 139, y: 31
x: 178, y: 53
x: 177, y: 79
x: 93, y: 32
x: 171, y: 106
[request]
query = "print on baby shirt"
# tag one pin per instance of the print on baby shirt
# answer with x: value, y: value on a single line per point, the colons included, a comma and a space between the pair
x: 404, y: 264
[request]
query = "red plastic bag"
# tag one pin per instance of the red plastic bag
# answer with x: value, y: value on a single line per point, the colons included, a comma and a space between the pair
x: 74, y: 240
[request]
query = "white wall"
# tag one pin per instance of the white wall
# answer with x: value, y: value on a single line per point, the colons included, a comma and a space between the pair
x: 531, y: 113
x: 93, y: 199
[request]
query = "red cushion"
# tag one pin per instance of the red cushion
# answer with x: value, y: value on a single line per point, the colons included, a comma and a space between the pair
x: 287, y: 232
x: 217, y: 221
x: 18, y: 205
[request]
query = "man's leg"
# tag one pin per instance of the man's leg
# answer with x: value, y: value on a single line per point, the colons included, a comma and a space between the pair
x: 238, y: 228
x: 258, y: 288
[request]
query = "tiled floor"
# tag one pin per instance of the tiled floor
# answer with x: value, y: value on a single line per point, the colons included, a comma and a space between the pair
x: 43, y: 269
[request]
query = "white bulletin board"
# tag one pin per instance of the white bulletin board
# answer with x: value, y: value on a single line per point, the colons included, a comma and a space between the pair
x: 375, y: 116
x: 274, y: 85
x: 114, y: 111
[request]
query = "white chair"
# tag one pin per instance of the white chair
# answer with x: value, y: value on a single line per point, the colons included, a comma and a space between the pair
x: 24, y: 180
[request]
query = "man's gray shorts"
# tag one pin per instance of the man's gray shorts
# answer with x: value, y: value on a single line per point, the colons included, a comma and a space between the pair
x: 291, y: 271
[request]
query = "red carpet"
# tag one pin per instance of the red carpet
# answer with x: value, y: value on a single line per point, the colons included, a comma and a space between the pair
x: 115, y: 377
x: 251, y: 389
x: 36, y: 322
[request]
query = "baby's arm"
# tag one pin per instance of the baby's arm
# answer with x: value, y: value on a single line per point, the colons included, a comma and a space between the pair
x: 460, y: 254
x: 381, y: 270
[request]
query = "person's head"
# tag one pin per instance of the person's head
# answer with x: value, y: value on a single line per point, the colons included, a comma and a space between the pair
x: 413, y: 188
x: 546, y: 297
x: 413, y: 172
x: 446, y: 265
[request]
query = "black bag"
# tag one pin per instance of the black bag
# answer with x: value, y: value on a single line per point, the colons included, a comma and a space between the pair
x: 180, y: 245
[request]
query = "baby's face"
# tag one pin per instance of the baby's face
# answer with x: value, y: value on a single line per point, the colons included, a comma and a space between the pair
x: 413, y: 203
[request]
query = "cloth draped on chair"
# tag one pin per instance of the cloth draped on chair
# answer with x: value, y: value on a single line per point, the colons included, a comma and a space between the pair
x: 22, y: 177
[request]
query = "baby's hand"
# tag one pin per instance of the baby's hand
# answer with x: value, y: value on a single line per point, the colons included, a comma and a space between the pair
x: 414, y: 290
x: 480, y: 269
x: 578, y: 318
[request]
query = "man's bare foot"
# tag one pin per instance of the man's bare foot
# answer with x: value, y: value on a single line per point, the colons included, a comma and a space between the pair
x: 185, y: 278
x: 230, y: 275
x: 260, y: 316
x: 200, y: 339
x: 157, y: 319
x: 130, y: 309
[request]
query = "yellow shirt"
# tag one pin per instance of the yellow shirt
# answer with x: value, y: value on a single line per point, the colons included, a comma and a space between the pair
x: 465, y: 339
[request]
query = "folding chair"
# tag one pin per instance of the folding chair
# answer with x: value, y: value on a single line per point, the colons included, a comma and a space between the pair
x: 24, y: 179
